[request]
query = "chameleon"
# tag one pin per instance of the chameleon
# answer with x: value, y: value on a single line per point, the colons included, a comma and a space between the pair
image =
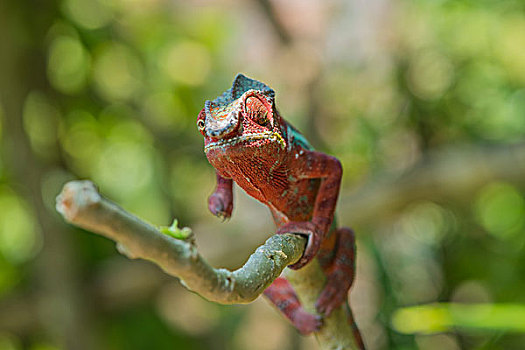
x: 248, y: 142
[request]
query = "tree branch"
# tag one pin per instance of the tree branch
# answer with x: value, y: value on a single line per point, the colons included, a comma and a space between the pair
x: 82, y: 205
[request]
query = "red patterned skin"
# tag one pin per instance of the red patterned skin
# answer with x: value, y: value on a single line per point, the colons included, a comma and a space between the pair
x: 249, y: 143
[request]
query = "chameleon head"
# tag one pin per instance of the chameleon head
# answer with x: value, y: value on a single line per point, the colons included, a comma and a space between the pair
x: 241, y: 119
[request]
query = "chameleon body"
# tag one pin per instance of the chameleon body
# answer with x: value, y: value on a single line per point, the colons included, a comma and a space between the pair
x: 249, y: 143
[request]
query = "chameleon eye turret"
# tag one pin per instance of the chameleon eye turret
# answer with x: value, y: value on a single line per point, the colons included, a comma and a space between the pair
x: 256, y: 110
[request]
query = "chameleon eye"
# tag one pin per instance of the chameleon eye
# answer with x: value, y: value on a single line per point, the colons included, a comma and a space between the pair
x: 200, y: 124
x: 257, y: 111
x: 262, y: 118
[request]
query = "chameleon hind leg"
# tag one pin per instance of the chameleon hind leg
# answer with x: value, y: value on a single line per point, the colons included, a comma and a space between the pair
x: 340, y: 272
x: 282, y: 295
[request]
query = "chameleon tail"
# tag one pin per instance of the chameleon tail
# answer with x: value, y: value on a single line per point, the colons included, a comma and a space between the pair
x: 353, y: 325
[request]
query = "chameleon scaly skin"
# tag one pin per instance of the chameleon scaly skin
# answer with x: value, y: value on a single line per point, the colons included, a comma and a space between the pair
x: 249, y: 143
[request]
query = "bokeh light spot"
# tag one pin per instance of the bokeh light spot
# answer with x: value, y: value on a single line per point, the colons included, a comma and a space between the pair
x: 80, y: 138
x: 89, y: 14
x: 40, y: 121
x: 164, y: 109
x: 186, y: 62
x: 500, y: 209
x: 425, y: 221
x: 475, y: 34
x: 129, y: 131
x: 68, y: 64
x: 18, y: 237
x: 117, y: 72
x: 510, y: 48
x: 123, y: 168
x: 430, y: 74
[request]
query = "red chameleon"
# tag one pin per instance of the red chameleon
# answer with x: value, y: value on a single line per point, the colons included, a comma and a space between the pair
x: 247, y: 141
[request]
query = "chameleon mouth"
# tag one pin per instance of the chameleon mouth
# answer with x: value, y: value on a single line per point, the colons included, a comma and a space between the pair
x: 266, y: 135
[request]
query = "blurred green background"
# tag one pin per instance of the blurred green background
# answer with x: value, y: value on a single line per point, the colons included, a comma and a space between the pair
x: 423, y: 102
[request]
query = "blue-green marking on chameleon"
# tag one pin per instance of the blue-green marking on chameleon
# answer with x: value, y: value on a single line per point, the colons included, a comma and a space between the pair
x: 299, y: 139
x: 240, y: 85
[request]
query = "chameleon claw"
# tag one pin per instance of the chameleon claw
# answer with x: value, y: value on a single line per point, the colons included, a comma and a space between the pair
x: 220, y: 206
x: 223, y: 216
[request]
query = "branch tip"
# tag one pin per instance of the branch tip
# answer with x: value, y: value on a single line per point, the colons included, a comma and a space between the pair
x: 75, y: 196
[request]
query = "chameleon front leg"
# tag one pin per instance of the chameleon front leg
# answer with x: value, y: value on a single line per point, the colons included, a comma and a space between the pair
x: 282, y: 295
x: 316, y: 165
x: 220, y: 203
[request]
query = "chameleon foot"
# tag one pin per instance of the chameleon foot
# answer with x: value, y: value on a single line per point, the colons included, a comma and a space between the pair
x: 220, y: 204
x: 308, y: 229
x: 306, y: 322
x: 333, y: 295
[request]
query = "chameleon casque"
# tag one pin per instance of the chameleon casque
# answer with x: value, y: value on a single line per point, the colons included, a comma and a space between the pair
x: 249, y: 143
